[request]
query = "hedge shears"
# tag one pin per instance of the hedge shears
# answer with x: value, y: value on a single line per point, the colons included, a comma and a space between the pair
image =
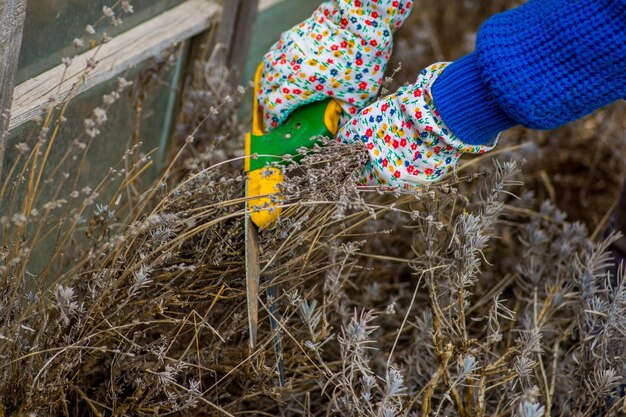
x: 264, y: 154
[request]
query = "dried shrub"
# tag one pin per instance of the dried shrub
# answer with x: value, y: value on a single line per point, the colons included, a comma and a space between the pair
x: 470, y: 297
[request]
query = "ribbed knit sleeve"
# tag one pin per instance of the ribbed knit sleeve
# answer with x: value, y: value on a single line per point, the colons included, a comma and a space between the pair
x: 541, y: 65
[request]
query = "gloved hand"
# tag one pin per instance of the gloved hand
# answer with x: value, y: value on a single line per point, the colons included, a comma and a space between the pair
x: 341, y: 51
x: 407, y: 141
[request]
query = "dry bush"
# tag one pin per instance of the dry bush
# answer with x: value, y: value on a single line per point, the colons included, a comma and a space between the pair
x: 470, y: 297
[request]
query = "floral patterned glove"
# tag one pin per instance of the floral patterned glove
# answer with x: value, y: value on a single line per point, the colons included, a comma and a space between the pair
x: 341, y: 51
x: 407, y: 141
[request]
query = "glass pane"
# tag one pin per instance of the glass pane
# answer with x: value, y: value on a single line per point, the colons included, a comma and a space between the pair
x: 52, y: 25
x: 154, y: 91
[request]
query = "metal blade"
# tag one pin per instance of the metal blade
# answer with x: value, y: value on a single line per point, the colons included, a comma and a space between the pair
x: 253, y: 277
x: 253, y: 274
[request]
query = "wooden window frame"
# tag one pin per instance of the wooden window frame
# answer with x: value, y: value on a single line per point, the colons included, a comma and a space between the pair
x: 12, y: 14
x: 189, y: 20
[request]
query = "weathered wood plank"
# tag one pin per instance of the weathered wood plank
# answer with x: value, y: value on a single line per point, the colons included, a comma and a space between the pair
x: 208, y: 45
x: 12, y: 13
x: 223, y: 49
x: 265, y: 4
x: 122, y: 52
x: 232, y: 40
x: 225, y: 31
x: 242, y: 38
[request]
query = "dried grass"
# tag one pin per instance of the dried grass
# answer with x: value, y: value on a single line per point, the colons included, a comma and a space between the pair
x: 458, y: 299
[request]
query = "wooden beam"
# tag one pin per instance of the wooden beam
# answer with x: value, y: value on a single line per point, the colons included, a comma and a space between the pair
x: 232, y: 40
x: 241, y: 39
x: 12, y: 13
x: 121, y: 53
x: 226, y: 28
x: 265, y: 4
x: 226, y: 47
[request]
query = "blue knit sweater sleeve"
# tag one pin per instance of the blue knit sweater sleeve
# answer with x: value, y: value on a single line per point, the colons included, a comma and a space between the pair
x: 541, y: 65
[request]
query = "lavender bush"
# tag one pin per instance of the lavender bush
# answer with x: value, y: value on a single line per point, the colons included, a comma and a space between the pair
x: 472, y: 297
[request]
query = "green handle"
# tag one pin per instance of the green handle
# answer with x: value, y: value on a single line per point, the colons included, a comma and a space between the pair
x: 299, y: 130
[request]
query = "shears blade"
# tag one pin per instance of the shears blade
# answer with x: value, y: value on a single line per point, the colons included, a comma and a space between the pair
x: 253, y: 274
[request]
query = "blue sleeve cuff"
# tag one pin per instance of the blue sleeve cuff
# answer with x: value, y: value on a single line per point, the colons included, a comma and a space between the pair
x: 466, y: 105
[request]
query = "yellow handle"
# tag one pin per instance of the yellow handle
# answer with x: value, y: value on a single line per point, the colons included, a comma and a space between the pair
x: 264, y: 181
x: 261, y: 184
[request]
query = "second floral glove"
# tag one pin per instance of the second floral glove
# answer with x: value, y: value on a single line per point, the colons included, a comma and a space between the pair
x: 341, y: 51
x: 407, y: 141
